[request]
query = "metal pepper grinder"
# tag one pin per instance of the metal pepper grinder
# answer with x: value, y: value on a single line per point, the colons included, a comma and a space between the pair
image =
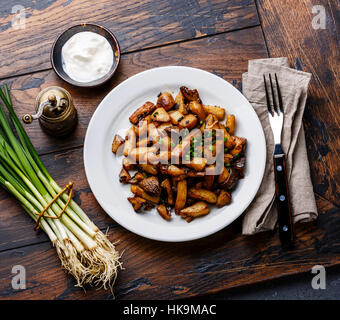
x: 55, y: 110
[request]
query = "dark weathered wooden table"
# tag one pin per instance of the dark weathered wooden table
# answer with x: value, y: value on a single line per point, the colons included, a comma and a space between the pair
x: 217, y: 36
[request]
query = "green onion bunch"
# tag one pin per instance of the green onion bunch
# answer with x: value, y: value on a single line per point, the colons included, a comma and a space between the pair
x: 83, y: 249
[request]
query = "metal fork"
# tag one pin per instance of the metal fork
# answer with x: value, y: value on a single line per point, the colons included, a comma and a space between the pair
x: 282, y: 198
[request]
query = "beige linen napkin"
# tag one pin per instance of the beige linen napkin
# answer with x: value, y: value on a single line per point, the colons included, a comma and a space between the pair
x: 261, y: 215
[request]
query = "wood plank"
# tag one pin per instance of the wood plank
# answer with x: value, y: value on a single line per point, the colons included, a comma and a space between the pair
x: 289, y: 32
x: 171, y: 271
x: 137, y: 25
x: 226, y: 55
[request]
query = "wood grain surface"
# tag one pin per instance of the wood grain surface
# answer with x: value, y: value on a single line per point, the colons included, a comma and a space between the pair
x: 203, y: 34
x: 137, y: 25
x: 289, y: 32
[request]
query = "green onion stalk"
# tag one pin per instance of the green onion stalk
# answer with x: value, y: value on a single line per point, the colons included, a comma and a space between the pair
x: 83, y: 249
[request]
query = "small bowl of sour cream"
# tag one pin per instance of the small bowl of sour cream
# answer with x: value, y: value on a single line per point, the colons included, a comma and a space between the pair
x: 85, y: 55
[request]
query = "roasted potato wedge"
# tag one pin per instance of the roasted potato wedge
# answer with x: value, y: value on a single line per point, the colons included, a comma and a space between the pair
x: 147, y: 108
x: 189, y: 121
x: 165, y: 100
x: 142, y: 128
x: 117, y: 142
x: 164, y: 212
x: 182, y: 148
x: 181, y: 195
x: 160, y: 115
x: 223, y: 199
x: 176, y: 116
x: 202, y: 194
x: 197, y: 210
x: 124, y: 176
x: 144, y: 155
x: 218, y: 112
x: 153, y: 132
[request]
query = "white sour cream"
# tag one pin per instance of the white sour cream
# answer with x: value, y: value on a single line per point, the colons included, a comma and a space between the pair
x: 87, y: 56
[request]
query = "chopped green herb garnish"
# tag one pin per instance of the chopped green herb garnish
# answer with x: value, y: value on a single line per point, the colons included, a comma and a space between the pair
x: 201, y: 122
x: 155, y: 114
x: 211, y: 148
x: 227, y: 129
x: 225, y: 150
x: 237, y: 155
x: 225, y: 139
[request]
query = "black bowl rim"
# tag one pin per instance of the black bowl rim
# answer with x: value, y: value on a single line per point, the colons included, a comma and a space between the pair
x: 86, y: 84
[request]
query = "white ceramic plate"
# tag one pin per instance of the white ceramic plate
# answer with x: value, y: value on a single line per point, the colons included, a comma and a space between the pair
x: 112, y: 116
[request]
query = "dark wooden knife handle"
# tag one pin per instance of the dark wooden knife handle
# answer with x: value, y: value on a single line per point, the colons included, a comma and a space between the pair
x: 284, y: 209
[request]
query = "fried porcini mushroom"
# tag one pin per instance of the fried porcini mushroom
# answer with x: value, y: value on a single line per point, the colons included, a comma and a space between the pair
x: 124, y: 176
x: 151, y: 186
x: 166, y: 184
x: 137, y: 203
x: 165, y: 100
x: 190, y: 95
x: 143, y: 111
x: 117, y: 142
